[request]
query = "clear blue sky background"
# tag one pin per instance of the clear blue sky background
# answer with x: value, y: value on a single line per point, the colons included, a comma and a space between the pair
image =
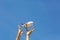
x: 44, y: 13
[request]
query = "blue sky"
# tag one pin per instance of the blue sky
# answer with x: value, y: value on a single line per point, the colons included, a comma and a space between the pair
x: 44, y: 13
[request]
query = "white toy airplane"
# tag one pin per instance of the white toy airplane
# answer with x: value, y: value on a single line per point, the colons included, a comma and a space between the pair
x: 28, y: 24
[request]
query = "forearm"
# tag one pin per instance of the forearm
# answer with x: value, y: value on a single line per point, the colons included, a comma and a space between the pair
x: 18, y: 36
x: 27, y: 37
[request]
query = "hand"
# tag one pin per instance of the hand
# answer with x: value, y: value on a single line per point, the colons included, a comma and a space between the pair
x: 20, y: 32
x: 29, y: 32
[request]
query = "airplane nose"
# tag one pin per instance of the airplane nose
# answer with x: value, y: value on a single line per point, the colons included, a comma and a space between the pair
x: 22, y: 23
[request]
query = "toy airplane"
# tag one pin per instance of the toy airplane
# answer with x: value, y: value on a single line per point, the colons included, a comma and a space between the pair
x: 28, y: 24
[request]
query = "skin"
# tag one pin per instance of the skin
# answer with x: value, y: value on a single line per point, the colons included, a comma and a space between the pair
x: 28, y: 33
x: 20, y: 32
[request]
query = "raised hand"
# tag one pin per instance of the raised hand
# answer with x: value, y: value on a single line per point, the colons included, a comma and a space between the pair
x: 20, y: 32
x: 28, y: 33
